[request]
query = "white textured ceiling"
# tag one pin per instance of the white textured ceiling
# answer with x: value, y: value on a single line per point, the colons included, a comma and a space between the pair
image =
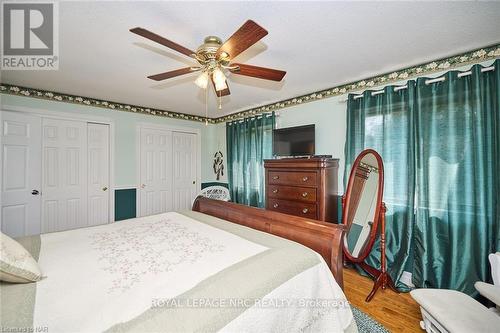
x: 320, y: 45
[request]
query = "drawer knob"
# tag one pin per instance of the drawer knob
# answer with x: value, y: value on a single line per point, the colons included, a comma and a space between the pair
x: 276, y: 177
x: 275, y: 205
x: 275, y: 190
x: 305, y: 210
x: 305, y: 194
x: 304, y: 179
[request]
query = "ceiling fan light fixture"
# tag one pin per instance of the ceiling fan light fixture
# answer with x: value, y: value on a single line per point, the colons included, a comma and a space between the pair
x: 224, y: 56
x: 219, y: 79
x: 220, y: 85
x: 202, y: 80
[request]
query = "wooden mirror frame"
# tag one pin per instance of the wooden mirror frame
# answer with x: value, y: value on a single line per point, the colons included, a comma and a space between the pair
x: 346, y: 205
x: 382, y: 279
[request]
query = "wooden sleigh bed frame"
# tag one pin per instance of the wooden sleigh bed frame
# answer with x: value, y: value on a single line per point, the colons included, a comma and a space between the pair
x: 323, y: 237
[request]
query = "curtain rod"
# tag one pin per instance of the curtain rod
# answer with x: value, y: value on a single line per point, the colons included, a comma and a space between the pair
x: 427, y: 82
x: 268, y: 114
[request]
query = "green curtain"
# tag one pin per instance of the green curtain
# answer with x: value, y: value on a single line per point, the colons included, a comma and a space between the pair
x: 458, y: 166
x: 249, y: 142
x: 384, y: 122
x: 441, y: 148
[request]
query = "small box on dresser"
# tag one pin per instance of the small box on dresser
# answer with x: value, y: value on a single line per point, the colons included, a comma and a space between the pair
x: 304, y: 187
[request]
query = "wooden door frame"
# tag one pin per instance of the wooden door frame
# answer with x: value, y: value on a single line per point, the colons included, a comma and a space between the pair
x: 163, y: 127
x: 63, y: 115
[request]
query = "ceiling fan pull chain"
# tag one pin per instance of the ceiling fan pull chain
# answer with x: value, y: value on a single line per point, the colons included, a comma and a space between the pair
x: 206, y: 106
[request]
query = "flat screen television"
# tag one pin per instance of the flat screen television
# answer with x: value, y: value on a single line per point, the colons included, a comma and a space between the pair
x: 293, y: 141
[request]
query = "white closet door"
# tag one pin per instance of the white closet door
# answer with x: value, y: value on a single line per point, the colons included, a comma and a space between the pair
x: 64, y: 174
x: 155, y: 172
x: 184, y: 168
x: 21, y: 174
x: 98, y: 173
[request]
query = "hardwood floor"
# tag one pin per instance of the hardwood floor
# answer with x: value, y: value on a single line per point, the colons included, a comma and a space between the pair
x: 397, y: 312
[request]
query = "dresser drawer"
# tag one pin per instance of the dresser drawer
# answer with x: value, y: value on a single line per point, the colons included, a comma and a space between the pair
x: 292, y: 207
x: 306, y: 194
x: 299, y: 178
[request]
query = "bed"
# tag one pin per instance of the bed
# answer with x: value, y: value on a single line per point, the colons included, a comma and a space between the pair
x: 192, y: 271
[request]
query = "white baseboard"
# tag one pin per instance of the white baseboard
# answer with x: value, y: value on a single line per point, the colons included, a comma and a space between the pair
x: 126, y: 187
x: 406, y: 279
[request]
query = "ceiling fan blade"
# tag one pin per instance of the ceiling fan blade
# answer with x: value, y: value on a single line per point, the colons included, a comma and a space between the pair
x: 161, y: 40
x: 249, y: 34
x: 170, y: 74
x: 258, y: 72
x: 221, y: 93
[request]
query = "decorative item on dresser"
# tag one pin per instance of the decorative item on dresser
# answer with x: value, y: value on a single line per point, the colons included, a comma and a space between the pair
x: 303, y: 186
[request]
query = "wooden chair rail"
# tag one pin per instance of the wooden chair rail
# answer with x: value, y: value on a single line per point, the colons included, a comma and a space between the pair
x: 323, y: 237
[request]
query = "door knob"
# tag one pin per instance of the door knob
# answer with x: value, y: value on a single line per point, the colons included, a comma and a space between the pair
x: 104, y: 188
x: 35, y: 192
x: 194, y: 182
x: 305, y: 210
x: 276, y: 177
x: 305, y: 194
x: 275, y: 191
x: 275, y: 205
x: 143, y: 185
x: 305, y: 179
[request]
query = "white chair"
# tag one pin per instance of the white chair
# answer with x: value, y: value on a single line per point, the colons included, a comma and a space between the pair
x: 492, y: 291
x: 216, y: 192
x: 452, y: 311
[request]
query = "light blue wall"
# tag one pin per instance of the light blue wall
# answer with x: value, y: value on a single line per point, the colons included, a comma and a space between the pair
x: 220, y: 144
x: 329, y: 118
x: 125, y: 133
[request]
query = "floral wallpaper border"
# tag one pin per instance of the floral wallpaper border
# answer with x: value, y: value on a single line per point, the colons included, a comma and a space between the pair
x: 471, y: 57
x: 54, y: 96
x: 475, y: 56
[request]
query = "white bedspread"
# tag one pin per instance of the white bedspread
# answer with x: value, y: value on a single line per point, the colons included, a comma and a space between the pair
x: 309, y: 302
x: 112, y: 273
x: 108, y: 277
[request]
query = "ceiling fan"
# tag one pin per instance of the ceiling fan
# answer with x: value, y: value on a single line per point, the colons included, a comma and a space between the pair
x: 214, y: 57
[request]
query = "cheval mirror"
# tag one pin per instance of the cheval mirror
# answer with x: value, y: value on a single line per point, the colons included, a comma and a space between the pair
x: 364, y: 217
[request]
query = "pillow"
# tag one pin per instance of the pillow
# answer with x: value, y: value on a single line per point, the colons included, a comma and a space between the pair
x: 16, y: 264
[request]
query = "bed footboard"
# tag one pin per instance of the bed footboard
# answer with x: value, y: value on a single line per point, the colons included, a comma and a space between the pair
x: 323, y: 237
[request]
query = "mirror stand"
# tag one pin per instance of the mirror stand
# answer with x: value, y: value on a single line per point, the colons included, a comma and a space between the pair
x: 382, y: 279
x: 362, y: 212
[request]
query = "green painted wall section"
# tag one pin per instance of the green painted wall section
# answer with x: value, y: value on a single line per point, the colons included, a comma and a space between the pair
x: 125, y: 204
x: 125, y: 201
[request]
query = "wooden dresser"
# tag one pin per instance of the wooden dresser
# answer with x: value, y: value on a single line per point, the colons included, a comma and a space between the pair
x: 303, y: 186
